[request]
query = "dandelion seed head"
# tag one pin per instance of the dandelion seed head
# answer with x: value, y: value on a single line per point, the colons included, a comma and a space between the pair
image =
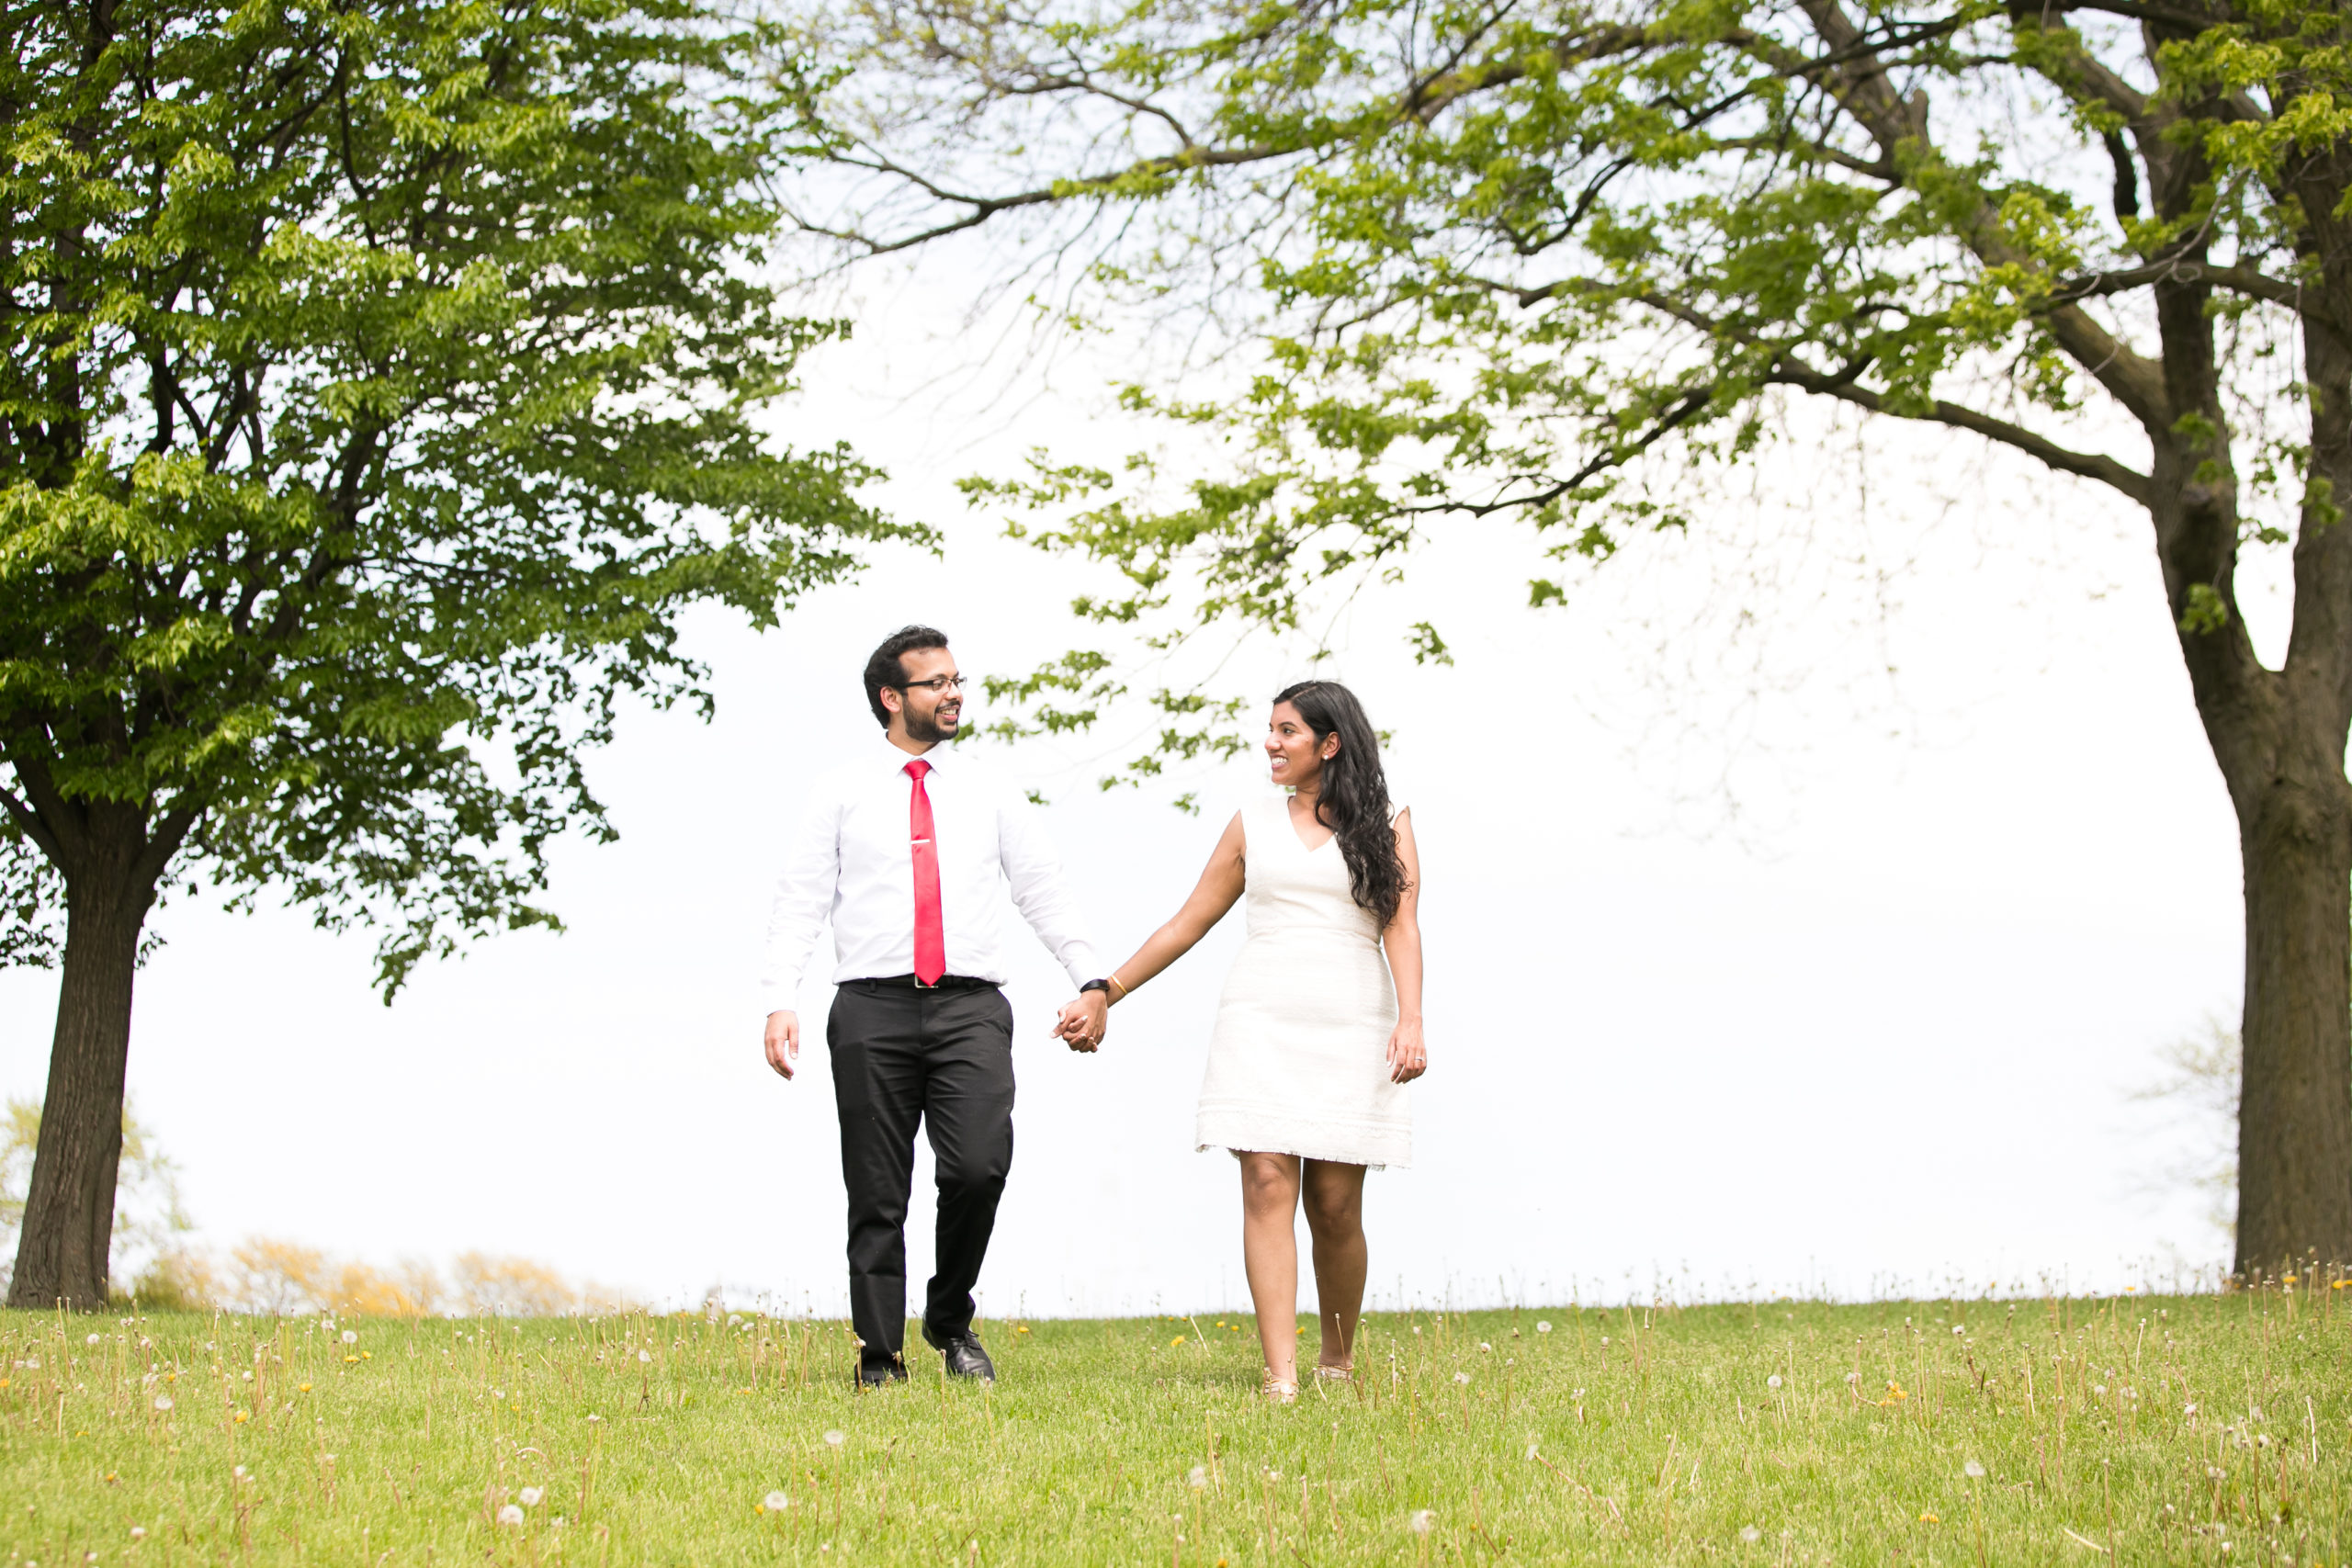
x: 1772, y: 1382
x: 1750, y: 1534
x: 1421, y: 1522
x: 90, y: 1339
x: 351, y: 1336
x: 139, y: 1532
x: 776, y: 1502
x: 1543, y: 1328
x: 835, y: 1438
x: 163, y: 1402
x: 530, y: 1495
x: 1462, y: 1377
x: 510, y: 1515
x: 645, y: 1355
x: 1973, y: 1471
x: 1197, y: 1478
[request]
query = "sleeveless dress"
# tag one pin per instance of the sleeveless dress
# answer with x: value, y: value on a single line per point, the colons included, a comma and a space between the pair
x: 1298, y: 1060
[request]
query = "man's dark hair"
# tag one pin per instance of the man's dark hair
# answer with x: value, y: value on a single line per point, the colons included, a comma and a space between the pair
x: 887, y: 668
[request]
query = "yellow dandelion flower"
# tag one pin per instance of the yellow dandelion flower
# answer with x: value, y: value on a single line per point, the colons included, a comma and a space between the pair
x: 1174, y: 1343
x: 304, y: 1389
x: 1929, y: 1519
x: 242, y: 1417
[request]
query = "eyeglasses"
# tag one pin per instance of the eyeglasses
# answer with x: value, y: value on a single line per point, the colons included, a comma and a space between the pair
x: 937, y: 684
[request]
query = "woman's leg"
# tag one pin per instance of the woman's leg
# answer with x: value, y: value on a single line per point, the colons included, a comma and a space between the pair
x: 1270, y: 1255
x: 1334, y: 1195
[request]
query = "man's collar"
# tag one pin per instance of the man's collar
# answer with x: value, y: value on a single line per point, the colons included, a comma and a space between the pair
x: 900, y: 756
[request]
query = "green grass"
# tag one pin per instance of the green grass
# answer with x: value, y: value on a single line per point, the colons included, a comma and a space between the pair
x: 1657, y: 1437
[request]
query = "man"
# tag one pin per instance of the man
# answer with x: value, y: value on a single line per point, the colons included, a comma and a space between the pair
x: 906, y: 848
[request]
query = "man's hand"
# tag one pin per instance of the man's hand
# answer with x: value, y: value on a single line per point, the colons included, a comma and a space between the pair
x: 1082, y: 1021
x: 784, y: 1041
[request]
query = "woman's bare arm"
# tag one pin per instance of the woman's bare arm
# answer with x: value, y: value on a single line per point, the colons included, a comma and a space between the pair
x: 1216, y: 892
x: 1408, y: 1055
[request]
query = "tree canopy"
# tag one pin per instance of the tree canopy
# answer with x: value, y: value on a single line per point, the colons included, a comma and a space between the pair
x: 1540, y: 258
x: 382, y: 382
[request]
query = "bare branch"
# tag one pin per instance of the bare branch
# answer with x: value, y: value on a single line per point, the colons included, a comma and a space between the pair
x: 984, y: 208
x: 2249, y: 281
x: 1685, y: 408
x: 2086, y: 465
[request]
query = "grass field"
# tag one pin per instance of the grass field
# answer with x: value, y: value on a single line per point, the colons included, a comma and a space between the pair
x: 2186, y: 1430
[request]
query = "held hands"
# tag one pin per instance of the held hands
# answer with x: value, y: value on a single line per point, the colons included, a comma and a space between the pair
x: 1408, y: 1057
x: 1084, y: 1021
x: 784, y: 1041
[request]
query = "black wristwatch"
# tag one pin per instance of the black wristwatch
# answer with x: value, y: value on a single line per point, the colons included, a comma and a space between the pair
x: 1102, y: 986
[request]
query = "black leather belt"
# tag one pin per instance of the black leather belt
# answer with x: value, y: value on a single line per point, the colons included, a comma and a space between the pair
x: 908, y: 983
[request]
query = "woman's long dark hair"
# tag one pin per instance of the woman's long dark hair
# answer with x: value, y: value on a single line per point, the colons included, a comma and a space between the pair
x: 1353, y: 798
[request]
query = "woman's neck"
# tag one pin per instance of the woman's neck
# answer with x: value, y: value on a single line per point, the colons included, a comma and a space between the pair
x: 1309, y: 794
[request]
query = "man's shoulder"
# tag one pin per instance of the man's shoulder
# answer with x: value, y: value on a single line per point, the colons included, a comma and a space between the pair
x: 984, y: 775
x: 842, y: 776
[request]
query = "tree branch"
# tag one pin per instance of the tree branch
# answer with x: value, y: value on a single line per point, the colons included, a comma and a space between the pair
x: 1899, y: 126
x: 2250, y: 281
x: 1685, y: 408
x: 984, y: 208
x: 26, y: 818
x: 55, y: 822
x: 2090, y: 465
x: 163, y: 843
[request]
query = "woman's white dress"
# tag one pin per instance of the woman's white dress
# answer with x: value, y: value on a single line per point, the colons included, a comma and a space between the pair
x: 1299, y: 1061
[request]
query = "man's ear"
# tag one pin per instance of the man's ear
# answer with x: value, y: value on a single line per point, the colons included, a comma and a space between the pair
x: 893, y: 699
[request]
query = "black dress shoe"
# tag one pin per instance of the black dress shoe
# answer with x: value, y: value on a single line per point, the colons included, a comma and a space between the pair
x: 964, y: 1356
x: 876, y: 1374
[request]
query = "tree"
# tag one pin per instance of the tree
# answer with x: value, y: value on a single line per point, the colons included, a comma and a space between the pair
x: 1536, y: 257
x: 382, y: 383
x: 148, y: 1212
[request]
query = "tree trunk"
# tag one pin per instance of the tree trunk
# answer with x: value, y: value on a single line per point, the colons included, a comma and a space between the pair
x: 62, y: 1250
x: 2295, y: 1116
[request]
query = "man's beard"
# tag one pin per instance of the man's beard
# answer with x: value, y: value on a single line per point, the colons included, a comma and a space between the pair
x: 926, y: 727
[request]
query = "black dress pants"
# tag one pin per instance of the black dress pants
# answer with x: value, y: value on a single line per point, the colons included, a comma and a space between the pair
x: 902, y: 1056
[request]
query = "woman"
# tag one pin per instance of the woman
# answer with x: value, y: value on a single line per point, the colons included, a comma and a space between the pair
x: 1313, y: 1044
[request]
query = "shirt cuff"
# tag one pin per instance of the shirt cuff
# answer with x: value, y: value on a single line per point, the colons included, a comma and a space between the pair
x: 1082, y: 964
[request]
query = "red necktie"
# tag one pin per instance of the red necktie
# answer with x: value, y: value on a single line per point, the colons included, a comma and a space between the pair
x: 931, y: 931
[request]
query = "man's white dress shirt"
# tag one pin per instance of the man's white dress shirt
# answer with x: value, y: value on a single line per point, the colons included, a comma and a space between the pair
x: 853, y: 861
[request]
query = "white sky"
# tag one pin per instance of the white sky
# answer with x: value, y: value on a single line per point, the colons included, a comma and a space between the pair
x: 1843, y: 987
